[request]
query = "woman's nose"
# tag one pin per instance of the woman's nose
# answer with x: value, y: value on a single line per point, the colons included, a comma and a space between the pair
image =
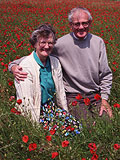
x: 46, y: 45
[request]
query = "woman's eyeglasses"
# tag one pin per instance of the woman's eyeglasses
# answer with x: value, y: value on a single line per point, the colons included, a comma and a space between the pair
x: 43, y: 43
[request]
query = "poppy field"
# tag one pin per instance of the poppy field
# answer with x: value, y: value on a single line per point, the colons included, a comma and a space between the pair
x: 19, y: 139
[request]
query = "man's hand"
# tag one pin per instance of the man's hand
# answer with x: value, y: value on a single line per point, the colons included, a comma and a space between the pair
x: 105, y: 107
x: 18, y: 73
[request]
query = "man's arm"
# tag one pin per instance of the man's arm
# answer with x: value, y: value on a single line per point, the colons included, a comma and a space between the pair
x: 17, y: 70
x: 105, y: 107
x: 105, y: 73
x: 15, y: 62
x: 105, y: 77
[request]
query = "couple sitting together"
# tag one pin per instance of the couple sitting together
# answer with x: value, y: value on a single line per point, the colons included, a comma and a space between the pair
x: 58, y: 71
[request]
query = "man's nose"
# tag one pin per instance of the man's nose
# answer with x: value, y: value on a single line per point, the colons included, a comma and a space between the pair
x: 81, y: 26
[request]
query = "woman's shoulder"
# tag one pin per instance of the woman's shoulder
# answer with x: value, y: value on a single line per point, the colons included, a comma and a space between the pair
x: 29, y: 64
x: 27, y: 60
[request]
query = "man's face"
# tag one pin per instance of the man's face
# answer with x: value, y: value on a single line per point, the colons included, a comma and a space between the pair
x: 80, y: 24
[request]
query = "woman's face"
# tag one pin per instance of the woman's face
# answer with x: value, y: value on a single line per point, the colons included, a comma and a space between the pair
x: 44, y: 46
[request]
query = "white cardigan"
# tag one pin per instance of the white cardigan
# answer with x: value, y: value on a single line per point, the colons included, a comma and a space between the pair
x: 29, y: 90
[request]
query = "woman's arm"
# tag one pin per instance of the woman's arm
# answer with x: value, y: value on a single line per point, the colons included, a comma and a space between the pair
x: 25, y: 92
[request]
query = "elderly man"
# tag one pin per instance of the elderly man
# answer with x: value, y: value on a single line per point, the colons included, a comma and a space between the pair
x: 86, y: 74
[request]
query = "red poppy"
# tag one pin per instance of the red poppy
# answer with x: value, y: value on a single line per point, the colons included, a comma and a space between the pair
x: 46, y: 127
x: 2, y: 63
x: 87, y: 101
x: 19, y: 101
x: 10, y: 83
x: 28, y: 159
x: 52, y: 131
x: 83, y: 159
x: 4, y: 70
x: 14, y: 51
x: 92, y: 146
x: 74, y: 103
x: 32, y: 146
x: 1, y: 59
x: 114, y: 62
x: 6, y: 65
x: 116, y: 105
x: 92, y: 151
x: 114, y: 69
x: 19, y: 45
x: 97, y: 97
x: 29, y: 49
x: 94, y: 157
x: 78, y: 97
x: 17, y: 57
x: 11, y: 98
x: 54, y: 154
x: 25, y: 138
x: 48, y: 138
x: 65, y: 143
x: 116, y: 146
x: 13, y: 110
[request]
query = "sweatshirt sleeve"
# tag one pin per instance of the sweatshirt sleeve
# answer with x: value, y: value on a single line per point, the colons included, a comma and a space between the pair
x: 105, y: 73
x: 15, y: 62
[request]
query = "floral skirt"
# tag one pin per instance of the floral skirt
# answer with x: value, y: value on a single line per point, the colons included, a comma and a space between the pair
x: 54, y: 118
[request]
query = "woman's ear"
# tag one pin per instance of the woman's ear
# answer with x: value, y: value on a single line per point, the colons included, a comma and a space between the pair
x: 35, y: 46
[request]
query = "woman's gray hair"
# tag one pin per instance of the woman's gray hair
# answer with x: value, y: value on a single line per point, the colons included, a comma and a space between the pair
x: 70, y: 14
x: 43, y: 30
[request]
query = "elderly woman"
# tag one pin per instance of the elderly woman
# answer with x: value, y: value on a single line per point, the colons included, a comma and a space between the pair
x: 44, y: 82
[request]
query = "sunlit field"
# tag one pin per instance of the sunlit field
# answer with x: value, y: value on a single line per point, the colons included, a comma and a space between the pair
x: 19, y: 139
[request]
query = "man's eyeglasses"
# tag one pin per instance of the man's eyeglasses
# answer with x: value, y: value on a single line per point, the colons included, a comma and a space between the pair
x: 84, y: 24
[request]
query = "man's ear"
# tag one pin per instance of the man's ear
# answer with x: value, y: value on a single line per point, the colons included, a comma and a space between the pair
x: 70, y: 23
x: 90, y: 22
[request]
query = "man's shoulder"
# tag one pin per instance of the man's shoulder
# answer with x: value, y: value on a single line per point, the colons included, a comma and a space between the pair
x: 66, y: 36
x: 54, y: 58
x: 54, y: 62
x: 95, y: 37
x: 64, y: 40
